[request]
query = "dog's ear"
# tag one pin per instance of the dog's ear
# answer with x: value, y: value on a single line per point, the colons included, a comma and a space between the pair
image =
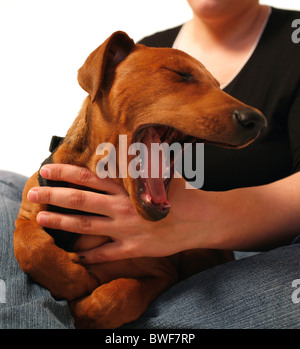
x: 100, y: 64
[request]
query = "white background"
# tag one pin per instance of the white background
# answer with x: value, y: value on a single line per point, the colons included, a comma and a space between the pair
x: 43, y: 43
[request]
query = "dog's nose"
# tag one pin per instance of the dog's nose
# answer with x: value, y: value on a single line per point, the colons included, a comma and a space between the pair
x: 250, y: 119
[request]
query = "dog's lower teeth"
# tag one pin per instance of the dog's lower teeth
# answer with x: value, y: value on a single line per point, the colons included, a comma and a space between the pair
x: 148, y: 199
x: 166, y: 206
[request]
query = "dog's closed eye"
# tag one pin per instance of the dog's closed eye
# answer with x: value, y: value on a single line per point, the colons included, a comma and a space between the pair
x: 184, y: 75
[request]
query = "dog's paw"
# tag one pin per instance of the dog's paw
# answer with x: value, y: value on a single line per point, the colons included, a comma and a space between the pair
x: 111, y: 305
x: 72, y: 281
x: 95, y: 312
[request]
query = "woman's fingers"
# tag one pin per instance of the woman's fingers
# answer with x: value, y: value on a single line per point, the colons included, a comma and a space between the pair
x: 81, y: 224
x: 79, y: 176
x: 108, y: 252
x: 73, y: 199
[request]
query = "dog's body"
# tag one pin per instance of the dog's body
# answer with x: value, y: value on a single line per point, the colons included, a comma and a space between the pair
x: 138, y: 92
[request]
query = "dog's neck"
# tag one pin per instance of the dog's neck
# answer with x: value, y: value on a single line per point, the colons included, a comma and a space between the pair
x: 83, y: 137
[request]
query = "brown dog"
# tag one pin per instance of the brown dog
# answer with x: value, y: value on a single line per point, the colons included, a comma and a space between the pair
x: 146, y: 94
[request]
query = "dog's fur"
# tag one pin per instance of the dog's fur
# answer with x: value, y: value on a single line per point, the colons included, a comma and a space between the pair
x: 131, y: 88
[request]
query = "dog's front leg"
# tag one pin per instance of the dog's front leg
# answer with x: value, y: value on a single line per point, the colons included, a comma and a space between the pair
x: 118, y: 302
x: 49, y: 265
x: 53, y: 268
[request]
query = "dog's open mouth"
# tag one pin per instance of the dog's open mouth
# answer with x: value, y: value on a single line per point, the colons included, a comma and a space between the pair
x: 157, y: 167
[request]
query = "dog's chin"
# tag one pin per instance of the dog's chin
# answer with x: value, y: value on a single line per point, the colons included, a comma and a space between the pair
x: 147, y: 207
x: 151, y: 212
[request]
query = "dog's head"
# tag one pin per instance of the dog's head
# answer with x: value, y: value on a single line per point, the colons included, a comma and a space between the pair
x: 156, y: 95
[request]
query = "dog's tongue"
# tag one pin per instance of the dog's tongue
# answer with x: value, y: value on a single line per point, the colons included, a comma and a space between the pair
x: 156, y: 186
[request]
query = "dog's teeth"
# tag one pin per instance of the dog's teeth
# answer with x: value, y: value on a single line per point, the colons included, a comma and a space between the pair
x: 148, y: 198
x: 166, y: 206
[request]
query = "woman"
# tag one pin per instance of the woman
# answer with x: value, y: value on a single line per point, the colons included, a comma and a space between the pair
x: 251, y: 197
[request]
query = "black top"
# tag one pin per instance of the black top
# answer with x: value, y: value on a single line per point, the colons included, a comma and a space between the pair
x: 270, y: 82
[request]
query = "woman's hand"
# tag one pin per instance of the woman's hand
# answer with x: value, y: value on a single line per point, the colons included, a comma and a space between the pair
x: 241, y: 219
x: 131, y: 235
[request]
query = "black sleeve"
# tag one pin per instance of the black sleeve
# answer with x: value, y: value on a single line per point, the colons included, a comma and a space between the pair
x: 164, y: 38
x: 294, y: 130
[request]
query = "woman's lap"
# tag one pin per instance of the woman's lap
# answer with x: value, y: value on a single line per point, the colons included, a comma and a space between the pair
x: 254, y: 292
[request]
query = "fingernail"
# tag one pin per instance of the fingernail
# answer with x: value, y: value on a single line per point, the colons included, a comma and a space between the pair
x: 45, y: 172
x: 33, y: 195
x: 81, y: 260
x: 42, y: 218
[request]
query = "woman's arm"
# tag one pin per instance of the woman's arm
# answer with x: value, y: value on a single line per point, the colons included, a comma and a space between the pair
x: 242, y: 219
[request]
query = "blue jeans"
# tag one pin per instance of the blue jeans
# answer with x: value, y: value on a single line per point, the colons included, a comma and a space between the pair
x: 253, y: 292
x: 23, y: 304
